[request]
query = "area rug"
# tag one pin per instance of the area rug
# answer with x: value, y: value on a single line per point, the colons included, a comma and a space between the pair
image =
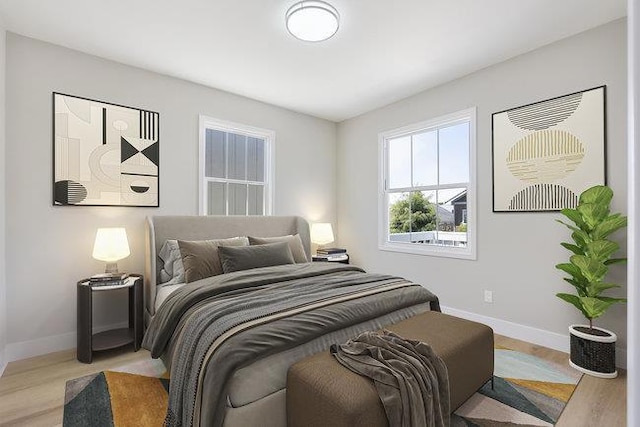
x: 131, y: 395
x: 528, y: 391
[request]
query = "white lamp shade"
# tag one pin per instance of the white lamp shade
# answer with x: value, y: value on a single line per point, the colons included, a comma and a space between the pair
x: 312, y: 21
x: 111, y: 244
x: 321, y: 233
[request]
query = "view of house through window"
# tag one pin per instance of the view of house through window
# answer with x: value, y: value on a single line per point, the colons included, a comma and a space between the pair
x: 427, y: 183
x: 234, y: 171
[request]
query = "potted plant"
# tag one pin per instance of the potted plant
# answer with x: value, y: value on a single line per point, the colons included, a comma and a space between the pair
x: 592, y: 348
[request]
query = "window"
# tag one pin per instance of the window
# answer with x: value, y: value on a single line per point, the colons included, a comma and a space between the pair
x: 427, y: 187
x: 235, y: 168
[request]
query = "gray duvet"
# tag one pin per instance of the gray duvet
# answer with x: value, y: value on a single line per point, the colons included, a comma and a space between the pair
x: 218, y: 325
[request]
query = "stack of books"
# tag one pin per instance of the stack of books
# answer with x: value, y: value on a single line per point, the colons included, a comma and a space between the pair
x: 331, y: 254
x: 330, y: 251
x: 108, y: 279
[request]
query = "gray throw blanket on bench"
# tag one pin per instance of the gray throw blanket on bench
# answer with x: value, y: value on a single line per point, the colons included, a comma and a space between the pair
x: 411, y: 380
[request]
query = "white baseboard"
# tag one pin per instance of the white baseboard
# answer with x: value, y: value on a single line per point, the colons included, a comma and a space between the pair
x: 25, y: 349
x: 536, y: 336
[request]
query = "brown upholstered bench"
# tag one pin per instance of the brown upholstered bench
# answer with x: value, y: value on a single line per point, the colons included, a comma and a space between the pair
x: 321, y: 392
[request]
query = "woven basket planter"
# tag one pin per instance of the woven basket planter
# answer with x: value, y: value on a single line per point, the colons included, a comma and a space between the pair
x: 593, y: 353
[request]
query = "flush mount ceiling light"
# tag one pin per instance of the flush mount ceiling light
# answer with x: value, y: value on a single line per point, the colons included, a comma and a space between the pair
x: 312, y: 21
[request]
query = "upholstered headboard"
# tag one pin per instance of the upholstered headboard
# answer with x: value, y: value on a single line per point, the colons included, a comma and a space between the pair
x: 161, y: 228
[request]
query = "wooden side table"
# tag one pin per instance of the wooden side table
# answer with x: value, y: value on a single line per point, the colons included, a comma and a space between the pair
x: 88, y: 342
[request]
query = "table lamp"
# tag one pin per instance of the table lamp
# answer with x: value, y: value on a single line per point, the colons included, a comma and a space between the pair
x: 111, y: 245
x: 321, y: 233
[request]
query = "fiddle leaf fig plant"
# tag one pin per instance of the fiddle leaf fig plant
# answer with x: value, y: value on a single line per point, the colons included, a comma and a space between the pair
x: 592, y: 252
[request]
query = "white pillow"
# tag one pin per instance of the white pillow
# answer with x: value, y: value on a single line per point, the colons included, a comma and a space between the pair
x: 172, y: 271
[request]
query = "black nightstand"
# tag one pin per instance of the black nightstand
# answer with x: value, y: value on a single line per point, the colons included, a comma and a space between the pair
x: 89, y: 342
x: 342, y: 258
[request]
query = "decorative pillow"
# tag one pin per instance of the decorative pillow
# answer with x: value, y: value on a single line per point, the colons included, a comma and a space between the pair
x: 172, y: 271
x: 200, y: 258
x: 245, y: 258
x: 294, y: 242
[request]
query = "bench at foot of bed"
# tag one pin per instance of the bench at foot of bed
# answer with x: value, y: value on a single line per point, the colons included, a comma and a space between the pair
x: 321, y: 392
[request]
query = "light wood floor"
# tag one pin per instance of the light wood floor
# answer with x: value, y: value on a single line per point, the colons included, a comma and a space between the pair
x: 32, y: 390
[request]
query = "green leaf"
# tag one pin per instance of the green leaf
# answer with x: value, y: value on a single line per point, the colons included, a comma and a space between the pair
x: 598, y: 194
x: 601, y: 249
x: 595, y: 307
x: 581, y: 287
x: 572, y: 299
x: 609, y: 225
x: 581, y: 238
x: 572, y: 270
x: 594, y: 289
x: 593, y: 214
x: 591, y: 269
x: 572, y: 227
x: 615, y: 261
x: 574, y: 216
x: 573, y: 248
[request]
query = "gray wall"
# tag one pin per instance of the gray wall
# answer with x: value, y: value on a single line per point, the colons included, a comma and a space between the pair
x: 516, y: 252
x: 51, y: 246
x: 3, y: 277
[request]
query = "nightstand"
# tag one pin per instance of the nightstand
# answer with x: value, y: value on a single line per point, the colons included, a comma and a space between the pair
x: 88, y: 342
x: 342, y: 258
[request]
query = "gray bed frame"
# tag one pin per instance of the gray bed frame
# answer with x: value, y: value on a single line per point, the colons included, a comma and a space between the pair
x: 161, y: 228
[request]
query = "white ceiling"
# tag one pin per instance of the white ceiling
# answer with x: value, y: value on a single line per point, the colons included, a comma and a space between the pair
x: 385, y: 50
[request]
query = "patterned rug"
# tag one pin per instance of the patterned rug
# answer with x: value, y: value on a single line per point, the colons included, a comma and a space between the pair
x: 528, y: 391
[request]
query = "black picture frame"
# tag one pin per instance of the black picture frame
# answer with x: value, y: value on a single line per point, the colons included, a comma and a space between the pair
x: 104, y: 154
x: 549, y: 128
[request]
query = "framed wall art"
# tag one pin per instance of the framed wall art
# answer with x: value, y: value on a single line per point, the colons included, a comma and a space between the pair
x: 546, y: 153
x: 104, y: 154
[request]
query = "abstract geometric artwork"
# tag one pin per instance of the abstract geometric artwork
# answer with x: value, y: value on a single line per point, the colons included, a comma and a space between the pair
x: 104, y: 154
x: 545, y: 154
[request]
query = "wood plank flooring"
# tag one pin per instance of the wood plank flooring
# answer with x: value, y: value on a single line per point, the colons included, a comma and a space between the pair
x: 32, y: 390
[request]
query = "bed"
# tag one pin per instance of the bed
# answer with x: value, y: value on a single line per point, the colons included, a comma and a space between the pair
x: 228, y: 340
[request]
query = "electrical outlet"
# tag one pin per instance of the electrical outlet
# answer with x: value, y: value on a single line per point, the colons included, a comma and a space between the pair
x: 488, y: 296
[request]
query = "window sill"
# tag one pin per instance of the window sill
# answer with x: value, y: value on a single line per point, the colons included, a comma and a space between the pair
x: 430, y: 250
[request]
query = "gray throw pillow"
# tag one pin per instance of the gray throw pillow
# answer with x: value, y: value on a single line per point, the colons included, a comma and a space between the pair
x: 294, y: 242
x: 247, y: 257
x: 200, y: 258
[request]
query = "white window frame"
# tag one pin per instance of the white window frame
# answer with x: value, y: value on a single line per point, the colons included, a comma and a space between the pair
x: 269, y: 138
x: 468, y: 252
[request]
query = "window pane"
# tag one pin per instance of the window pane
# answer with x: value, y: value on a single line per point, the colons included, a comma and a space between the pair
x: 400, y: 162
x: 216, y: 198
x: 237, y: 199
x: 423, y: 216
x: 412, y: 217
x: 255, y: 159
x: 425, y: 159
x: 215, y: 154
x: 399, y: 217
x: 256, y: 200
x: 454, y: 154
x: 237, y: 163
x: 452, y: 208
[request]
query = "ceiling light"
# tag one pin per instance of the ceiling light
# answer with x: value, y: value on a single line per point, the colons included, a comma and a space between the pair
x: 312, y: 21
